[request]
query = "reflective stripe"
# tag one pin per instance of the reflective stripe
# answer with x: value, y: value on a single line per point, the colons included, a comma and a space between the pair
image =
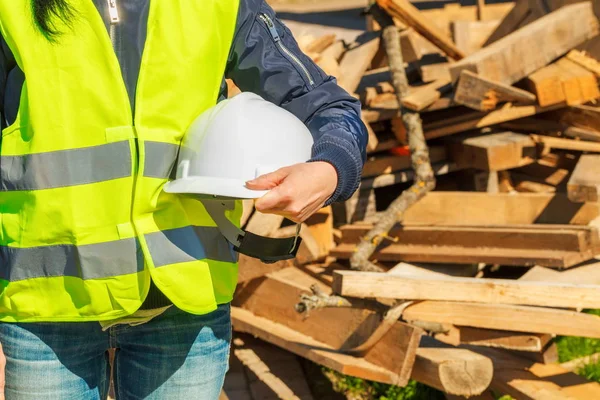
x: 65, y: 168
x: 101, y: 260
x: 160, y: 159
x: 189, y: 244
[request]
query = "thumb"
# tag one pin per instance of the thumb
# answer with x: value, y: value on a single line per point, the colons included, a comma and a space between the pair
x: 268, y: 181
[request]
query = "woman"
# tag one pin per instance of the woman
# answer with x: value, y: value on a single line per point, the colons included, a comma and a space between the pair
x: 95, y: 96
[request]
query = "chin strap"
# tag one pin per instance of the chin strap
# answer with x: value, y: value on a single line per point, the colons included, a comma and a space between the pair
x: 268, y: 250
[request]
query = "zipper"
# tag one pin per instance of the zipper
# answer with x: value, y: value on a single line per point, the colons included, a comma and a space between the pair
x: 113, y: 12
x: 275, y: 35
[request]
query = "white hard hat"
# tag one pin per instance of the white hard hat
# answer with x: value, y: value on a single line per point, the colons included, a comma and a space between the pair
x: 235, y: 141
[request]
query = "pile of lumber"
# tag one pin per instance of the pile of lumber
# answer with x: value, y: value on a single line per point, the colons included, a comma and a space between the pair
x: 484, y: 272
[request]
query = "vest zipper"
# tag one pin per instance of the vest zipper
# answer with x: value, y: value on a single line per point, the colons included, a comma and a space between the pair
x: 113, y: 13
x: 291, y: 56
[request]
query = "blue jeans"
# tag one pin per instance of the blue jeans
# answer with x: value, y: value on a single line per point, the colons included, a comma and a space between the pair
x: 174, y: 356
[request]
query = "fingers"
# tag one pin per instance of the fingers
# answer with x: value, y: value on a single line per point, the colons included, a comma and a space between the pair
x: 268, y: 181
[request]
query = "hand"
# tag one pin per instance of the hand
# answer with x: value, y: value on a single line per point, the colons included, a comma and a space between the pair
x: 297, y: 191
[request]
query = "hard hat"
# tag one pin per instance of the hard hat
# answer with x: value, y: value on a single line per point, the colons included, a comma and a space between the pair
x: 236, y: 141
x: 229, y: 144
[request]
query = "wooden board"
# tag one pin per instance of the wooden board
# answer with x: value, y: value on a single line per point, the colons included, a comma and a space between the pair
x: 506, y: 317
x: 376, y: 166
x: 434, y: 72
x: 475, y: 209
x: 491, y: 291
x: 470, y: 36
x: 357, y: 59
x: 466, y: 121
x: 524, y: 379
x: 307, y: 347
x: 566, y: 144
x: 511, y: 59
x: 584, y: 183
x: 508, y: 340
x: 546, y: 83
x: 493, y: 152
x: 275, y: 296
x: 483, y: 94
x: 426, y: 95
x: 510, y: 22
x: 586, y: 61
x: 409, y: 14
x: 579, y: 84
x: 264, y: 224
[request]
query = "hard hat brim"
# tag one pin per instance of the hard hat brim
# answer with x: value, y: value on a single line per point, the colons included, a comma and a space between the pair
x: 213, y: 187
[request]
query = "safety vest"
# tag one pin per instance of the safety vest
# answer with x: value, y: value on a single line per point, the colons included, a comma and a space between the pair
x: 84, y: 222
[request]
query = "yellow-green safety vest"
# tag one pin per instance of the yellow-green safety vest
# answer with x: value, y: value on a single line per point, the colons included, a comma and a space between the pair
x: 84, y: 222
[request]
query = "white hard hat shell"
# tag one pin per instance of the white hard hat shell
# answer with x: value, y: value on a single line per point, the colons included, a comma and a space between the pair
x: 235, y: 141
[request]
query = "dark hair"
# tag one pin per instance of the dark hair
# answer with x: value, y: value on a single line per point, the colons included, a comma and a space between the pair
x: 45, y: 13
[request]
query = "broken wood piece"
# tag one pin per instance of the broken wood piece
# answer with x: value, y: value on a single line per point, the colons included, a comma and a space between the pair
x: 490, y: 291
x: 584, y: 183
x: 493, y: 152
x: 481, y: 209
x: 566, y: 144
x: 434, y: 72
x: 357, y: 59
x: 409, y: 14
x: 483, y: 94
x: 586, y: 61
x: 579, y: 84
x: 307, y: 347
x: 511, y: 58
x: 422, y: 97
x: 452, y: 370
x: 547, y: 85
x: 506, y: 317
x: 501, y: 339
x: 274, y: 297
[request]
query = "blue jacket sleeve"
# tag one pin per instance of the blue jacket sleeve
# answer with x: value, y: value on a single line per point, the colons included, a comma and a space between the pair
x: 265, y: 59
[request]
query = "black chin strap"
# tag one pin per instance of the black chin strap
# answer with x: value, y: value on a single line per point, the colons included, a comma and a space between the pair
x: 268, y: 250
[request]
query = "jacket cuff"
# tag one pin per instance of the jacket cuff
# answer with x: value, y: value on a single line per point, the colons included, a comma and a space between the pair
x: 347, y: 165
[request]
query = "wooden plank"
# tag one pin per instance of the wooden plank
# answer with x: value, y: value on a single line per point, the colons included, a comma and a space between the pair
x: 274, y: 297
x: 464, y: 208
x: 408, y: 13
x: 584, y: 183
x: 452, y: 370
x: 440, y: 168
x: 373, y: 141
x: 511, y: 22
x: 524, y: 379
x: 320, y: 226
x: 506, y: 317
x: 307, y: 347
x: 566, y: 144
x: 460, y: 255
x: 492, y: 291
x: 585, y: 117
x: 508, y: 340
x: 581, y: 58
x: 357, y: 59
x: 252, y: 268
x: 588, y: 273
x: 321, y: 43
x: 376, y: 166
x: 483, y: 94
x: 546, y: 83
x: 511, y: 59
x: 423, y: 97
x: 470, y: 36
x: 465, y: 121
x: 579, y: 84
x: 493, y: 152
x: 534, y: 237
x: 264, y: 224
x: 434, y: 72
